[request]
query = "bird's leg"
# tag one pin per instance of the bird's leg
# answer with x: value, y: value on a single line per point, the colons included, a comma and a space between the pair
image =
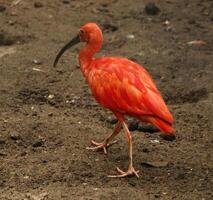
x: 131, y: 170
x: 106, y: 143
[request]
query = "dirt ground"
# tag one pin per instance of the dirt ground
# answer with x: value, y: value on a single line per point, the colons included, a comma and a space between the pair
x: 48, y: 116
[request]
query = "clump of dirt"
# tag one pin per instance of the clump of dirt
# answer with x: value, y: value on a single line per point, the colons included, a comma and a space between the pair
x: 33, y: 96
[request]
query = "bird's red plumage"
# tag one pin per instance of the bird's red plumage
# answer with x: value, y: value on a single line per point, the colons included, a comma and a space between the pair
x: 122, y: 86
x: 126, y: 87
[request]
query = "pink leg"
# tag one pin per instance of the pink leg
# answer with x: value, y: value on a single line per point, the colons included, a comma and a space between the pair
x: 131, y: 170
x: 106, y: 142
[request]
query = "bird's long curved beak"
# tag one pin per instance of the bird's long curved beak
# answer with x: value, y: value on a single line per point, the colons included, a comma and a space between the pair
x: 73, y: 42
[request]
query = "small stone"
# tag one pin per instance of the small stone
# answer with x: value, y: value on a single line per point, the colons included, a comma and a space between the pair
x: 151, y: 9
x: 130, y: 36
x: 155, y: 141
x: 38, y: 143
x: 157, y: 195
x: 50, y: 96
x: 26, y: 177
x: 15, y: 136
x: 10, y: 22
x: 2, y: 8
x: 37, y: 62
x: 44, y: 161
x: 167, y: 22
x: 50, y: 114
x: 112, y: 120
x: 38, y: 5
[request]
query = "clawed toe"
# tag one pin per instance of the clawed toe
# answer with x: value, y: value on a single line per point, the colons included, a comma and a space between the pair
x: 131, y: 172
x: 102, y: 145
x: 96, y: 143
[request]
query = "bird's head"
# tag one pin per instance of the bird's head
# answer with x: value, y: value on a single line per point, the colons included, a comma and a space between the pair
x: 89, y: 33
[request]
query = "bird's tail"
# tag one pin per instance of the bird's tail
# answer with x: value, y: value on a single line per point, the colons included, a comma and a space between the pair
x: 162, y: 125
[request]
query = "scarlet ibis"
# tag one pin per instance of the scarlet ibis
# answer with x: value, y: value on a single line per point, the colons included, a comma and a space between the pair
x: 122, y: 86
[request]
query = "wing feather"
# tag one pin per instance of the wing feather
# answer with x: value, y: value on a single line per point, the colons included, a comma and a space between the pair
x: 122, y: 85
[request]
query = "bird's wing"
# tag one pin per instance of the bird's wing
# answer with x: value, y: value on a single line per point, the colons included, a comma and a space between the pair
x: 124, y: 86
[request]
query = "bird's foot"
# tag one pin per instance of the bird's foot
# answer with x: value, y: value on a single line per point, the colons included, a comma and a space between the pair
x: 131, y: 172
x: 102, y: 145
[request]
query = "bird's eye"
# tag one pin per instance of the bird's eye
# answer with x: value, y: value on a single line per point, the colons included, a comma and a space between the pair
x: 81, y: 32
x: 83, y: 36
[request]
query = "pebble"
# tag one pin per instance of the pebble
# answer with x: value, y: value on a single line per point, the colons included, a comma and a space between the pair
x: 112, y: 120
x: 15, y: 136
x: 130, y: 36
x: 50, y: 114
x: 38, y: 143
x: 167, y: 22
x: 157, y: 195
x: 11, y: 23
x: 50, y: 96
x: 151, y: 9
x: 154, y: 141
x: 37, y: 62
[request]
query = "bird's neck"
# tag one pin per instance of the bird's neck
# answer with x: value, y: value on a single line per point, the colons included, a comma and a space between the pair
x: 86, y: 57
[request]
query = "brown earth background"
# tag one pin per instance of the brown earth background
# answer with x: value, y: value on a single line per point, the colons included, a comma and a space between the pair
x: 48, y: 115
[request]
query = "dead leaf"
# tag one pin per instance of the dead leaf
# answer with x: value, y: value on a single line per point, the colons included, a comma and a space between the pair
x: 197, y: 42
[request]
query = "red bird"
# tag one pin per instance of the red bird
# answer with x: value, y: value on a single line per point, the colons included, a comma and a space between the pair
x: 122, y: 86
